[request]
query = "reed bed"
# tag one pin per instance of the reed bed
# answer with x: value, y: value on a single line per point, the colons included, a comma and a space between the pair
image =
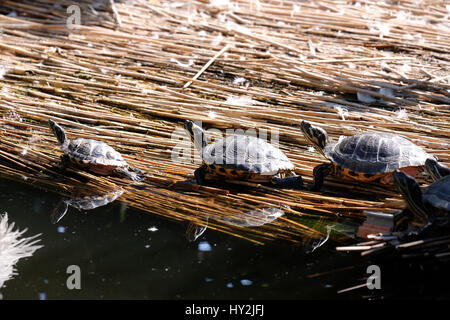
x: 133, y: 71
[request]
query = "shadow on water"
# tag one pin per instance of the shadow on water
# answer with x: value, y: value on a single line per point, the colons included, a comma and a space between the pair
x: 123, y: 253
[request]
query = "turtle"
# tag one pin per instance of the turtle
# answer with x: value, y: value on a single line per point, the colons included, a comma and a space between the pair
x: 242, y: 157
x: 366, y: 157
x: 94, y: 156
x: 428, y: 206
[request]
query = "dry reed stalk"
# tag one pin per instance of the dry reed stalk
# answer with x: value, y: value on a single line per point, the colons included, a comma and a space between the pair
x: 120, y: 77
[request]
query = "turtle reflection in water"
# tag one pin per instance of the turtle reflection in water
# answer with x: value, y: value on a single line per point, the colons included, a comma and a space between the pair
x: 83, y: 203
x: 253, y: 218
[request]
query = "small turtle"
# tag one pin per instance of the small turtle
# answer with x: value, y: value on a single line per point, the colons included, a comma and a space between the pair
x: 93, y: 155
x: 431, y: 205
x: 242, y: 157
x: 367, y: 157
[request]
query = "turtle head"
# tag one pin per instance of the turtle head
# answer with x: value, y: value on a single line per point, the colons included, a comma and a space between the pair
x: 196, y: 133
x: 58, y: 131
x: 316, y: 135
x: 435, y: 169
x: 410, y: 190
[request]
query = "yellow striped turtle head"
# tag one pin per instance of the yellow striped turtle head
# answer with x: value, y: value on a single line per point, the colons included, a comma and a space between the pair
x: 315, y: 135
x: 410, y: 190
x: 58, y: 131
x: 435, y: 169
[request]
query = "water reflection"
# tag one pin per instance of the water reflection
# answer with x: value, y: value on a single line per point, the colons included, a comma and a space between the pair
x: 136, y: 255
x: 194, y: 230
x: 253, y: 218
x: 314, y: 231
x: 13, y: 247
x: 83, y: 203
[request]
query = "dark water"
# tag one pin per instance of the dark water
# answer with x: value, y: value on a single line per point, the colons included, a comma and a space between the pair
x: 127, y: 254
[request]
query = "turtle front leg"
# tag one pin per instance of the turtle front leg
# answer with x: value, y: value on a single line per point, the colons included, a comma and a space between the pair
x: 137, y: 173
x: 294, y: 182
x: 65, y: 161
x: 320, y: 172
x: 131, y: 173
x: 200, y: 174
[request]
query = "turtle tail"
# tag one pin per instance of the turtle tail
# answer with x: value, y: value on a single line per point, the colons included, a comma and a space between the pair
x: 132, y: 173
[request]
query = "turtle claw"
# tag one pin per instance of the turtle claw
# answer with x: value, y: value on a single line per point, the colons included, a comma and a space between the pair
x: 132, y: 173
x: 137, y: 173
x: 65, y: 161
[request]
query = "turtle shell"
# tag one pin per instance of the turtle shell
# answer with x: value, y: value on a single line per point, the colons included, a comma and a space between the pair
x: 438, y: 194
x: 375, y: 152
x: 246, y: 154
x: 93, y: 152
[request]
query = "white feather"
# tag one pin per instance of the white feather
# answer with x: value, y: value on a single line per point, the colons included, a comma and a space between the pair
x: 13, y: 247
